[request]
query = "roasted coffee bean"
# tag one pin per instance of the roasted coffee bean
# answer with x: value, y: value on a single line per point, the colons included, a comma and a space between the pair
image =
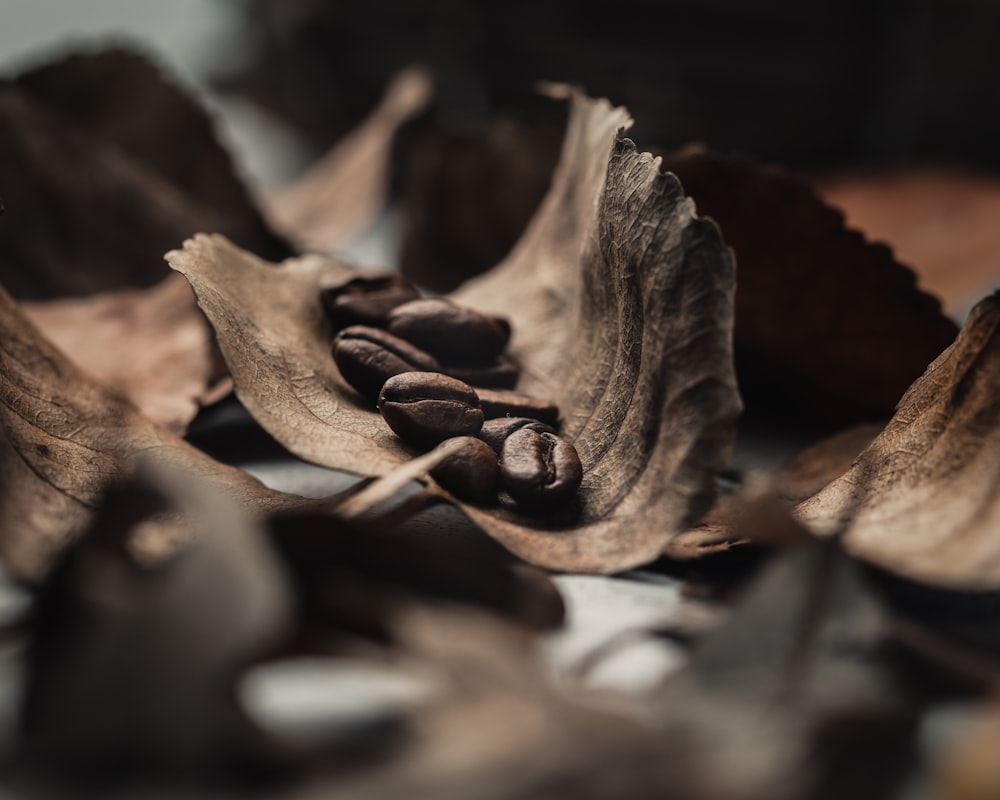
x: 505, y: 403
x: 450, y: 332
x: 501, y: 374
x: 495, y: 431
x: 471, y: 473
x: 366, y: 298
x: 539, y: 469
x: 368, y: 357
x: 424, y: 408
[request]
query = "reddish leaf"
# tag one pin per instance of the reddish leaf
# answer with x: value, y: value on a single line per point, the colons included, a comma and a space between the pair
x: 830, y: 329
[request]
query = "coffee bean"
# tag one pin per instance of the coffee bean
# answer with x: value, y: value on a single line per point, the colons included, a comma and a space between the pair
x: 505, y: 403
x: 450, y: 332
x: 470, y: 473
x: 368, y: 357
x: 495, y: 431
x: 366, y: 298
x: 539, y: 469
x: 424, y: 408
x: 501, y: 374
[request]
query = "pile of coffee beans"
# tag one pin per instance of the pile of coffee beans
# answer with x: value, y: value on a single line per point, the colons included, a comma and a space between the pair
x: 436, y: 371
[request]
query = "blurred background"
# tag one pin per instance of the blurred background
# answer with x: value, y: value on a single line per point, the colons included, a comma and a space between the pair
x: 827, y: 89
x: 797, y: 83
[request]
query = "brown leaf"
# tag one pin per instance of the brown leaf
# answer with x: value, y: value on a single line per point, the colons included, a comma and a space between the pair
x: 621, y: 305
x: 921, y: 500
x: 941, y: 221
x: 275, y: 337
x: 135, y: 666
x: 809, y: 470
x: 106, y: 166
x: 151, y: 345
x: 725, y: 526
x: 66, y: 439
x: 393, y: 568
x: 342, y: 194
x: 830, y: 328
x: 451, y: 229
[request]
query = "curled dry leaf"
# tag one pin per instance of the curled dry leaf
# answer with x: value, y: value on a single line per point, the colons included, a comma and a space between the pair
x: 66, y: 439
x: 733, y: 520
x: 813, y: 468
x: 107, y: 165
x: 343, y: 193
x: 275, y: 338
x: 921, y: 501
x: 831, y: 329
x: 725, y: 525
x: 150, y: 345
x: 620, y: 300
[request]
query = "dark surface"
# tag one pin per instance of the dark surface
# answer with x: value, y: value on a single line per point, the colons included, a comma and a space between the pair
x: 807, y: 86
x: 781, y: 80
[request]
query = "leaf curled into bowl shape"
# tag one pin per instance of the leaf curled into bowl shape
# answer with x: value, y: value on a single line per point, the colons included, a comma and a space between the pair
x: 830, y: 328
x: 620, y: 300
x: 151, y: 345
x: 921, y: 501
x: 66, y: 439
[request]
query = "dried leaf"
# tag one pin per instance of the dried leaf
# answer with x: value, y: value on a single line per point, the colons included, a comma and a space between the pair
x: 343, y: 193
x: 134, y: 666
x: 152, y: 345
x: 123, y: 99
x: 106, y: 166
x: 66, y: 440
x: 813, y: 468
x: 725, y: 527
x: 938, y: 220
x: 275, y: 338
x: 390, y: 568
x: 621, y: 305
x: 831, y: 330
x: 451, y: 229
x: 921, y: 500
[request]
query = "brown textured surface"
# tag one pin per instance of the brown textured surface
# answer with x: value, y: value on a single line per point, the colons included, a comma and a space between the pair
x: 151, y: 345
x: 621, y: 305
x: 66, y: 439
x: 921, y: 500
